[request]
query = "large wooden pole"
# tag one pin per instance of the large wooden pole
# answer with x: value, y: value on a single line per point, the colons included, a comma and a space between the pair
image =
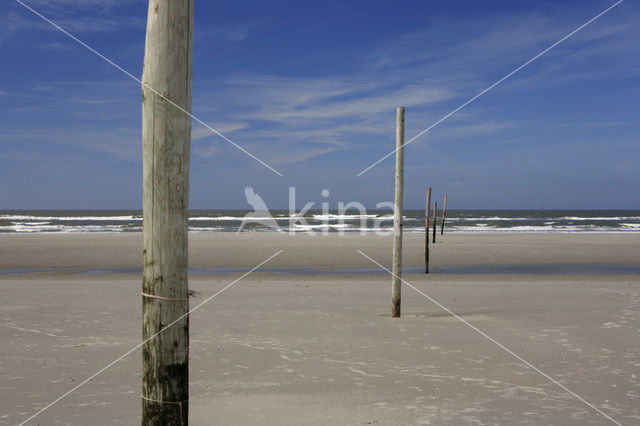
x: 444, y: 215
x: 396, y: 284
x: 426, y: 231
x: 166, y: 138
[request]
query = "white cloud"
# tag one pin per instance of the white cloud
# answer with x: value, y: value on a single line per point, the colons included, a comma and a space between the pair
x: 207, y: 152
x: 81, y: 4
x: 199, y: 132
x: 430, y: 72
x: 57, y: 47
x: 124, y: 143
x: 70, y: 19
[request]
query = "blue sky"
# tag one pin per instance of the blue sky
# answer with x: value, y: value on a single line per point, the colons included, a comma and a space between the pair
x: 311, y: 88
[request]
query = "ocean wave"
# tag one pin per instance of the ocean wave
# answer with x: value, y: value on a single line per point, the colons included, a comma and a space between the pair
x: 321, y: 226
x: 315, y: 217
x: 206, y: 228
x: 492, y: 219
x: 70, y: 221
x: 545, y: 219
x: 234, y: 218
x: 30, y: 228
x: 532, y: 229
x: 71, y: 218
x: 600, y: 218
x: 344, y: 216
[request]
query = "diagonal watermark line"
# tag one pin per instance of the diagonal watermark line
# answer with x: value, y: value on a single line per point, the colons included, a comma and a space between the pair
x: 518, y: 357
x: 146, y: 86
x: 492, y: 86
x: 138, y: 346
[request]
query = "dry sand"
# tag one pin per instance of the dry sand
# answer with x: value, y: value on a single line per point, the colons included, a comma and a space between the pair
x: 322, y: 349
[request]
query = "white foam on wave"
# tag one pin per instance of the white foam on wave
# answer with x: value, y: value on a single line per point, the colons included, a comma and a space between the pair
x: 491, y: 219
x: 344, y: 216
x: 70, y: 218
x: 542, y: 218
x: 33, y: 223
x: 534, y: 229
x: 322, y: 226
x: 315, y: 217
x: 205, y: 228
x: 575, y: 218
x: 39, y: 219
x: 22, y: 228
x: 234, y: 218
x: 30, y: 228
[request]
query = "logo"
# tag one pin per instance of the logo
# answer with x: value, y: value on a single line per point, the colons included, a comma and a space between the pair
x: 260, y: 214
x: 349, y: 217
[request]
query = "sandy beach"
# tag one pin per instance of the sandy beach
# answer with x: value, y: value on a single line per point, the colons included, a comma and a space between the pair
x: 295, y: 346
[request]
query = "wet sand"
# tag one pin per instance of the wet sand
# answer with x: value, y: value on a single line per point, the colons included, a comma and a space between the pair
x: 318, y: 349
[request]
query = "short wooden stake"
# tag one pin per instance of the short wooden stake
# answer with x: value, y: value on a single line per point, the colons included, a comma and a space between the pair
x: 435, y: 209
x: 444, y: 215
x: 396, y: 284
x: 166, y: 138
x: 426, y: 231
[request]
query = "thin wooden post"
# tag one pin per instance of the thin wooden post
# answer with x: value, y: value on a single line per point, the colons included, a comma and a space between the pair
x: 166, y: 139
x: 435, y: 210
x: 396, y: 284
x: 426, y: 231
x: 444, y: 215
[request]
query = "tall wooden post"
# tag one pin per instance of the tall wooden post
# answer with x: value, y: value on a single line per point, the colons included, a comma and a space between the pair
x: 426, y: 231
x: 435, y: 211
x: 444, y: 215
x: 396, y: 284
x: 166, y: 139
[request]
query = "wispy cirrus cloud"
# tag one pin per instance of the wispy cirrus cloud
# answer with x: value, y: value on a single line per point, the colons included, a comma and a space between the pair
x: 123, y: 143
x: 80, y: 5
x: 234, y: 33
x: 70, y: 15
x: 298, y: 118
x: 467, y: 52
x: 429, y: 71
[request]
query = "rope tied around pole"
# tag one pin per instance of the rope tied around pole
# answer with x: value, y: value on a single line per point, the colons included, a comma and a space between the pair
x: 178, y: 403
x: 169, y: 299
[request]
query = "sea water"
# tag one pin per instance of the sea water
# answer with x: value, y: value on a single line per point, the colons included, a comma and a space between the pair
x: 457, y: 221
